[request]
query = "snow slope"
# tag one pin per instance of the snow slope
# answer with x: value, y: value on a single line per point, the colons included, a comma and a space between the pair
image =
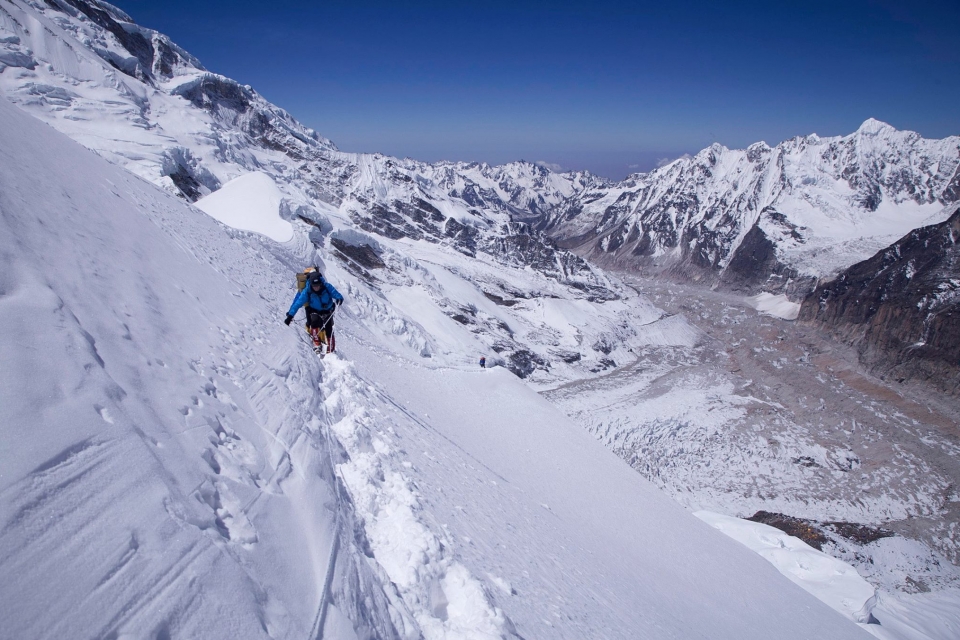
x: 832, y: 581
x: 137, y: 99
x: 156, y: 428
x: 176, y: 462
x: 250, y: 202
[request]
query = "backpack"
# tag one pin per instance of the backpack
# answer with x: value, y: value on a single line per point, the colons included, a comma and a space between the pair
x: 303, y: 276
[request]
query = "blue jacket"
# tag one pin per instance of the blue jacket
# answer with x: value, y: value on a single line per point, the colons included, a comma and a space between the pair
x: 324, y: 300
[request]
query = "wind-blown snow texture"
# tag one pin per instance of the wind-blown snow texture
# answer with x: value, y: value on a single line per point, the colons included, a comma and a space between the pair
x: 171, y: 467
x: 417, y: 508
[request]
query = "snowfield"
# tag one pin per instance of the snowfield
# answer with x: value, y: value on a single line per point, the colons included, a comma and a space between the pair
x: 250, y: 202
x: 178, y: 463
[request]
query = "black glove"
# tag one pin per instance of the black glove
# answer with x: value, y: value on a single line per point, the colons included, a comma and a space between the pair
x: 288, y: 320
x: 339, y: 302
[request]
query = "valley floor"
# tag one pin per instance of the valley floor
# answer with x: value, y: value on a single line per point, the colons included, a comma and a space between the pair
x: 766, y: 414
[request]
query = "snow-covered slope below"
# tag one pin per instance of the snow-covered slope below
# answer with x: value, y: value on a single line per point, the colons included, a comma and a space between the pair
x: 164, y: 469
x: 177, y: 463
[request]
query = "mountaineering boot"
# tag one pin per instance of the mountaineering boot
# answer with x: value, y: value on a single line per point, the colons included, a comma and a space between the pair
x: 331, y: 343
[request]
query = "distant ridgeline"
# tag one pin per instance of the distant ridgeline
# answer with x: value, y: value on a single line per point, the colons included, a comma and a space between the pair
x: 765, y: 218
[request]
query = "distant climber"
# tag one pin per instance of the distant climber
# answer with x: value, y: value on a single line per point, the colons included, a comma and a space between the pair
x: 483, y: 362
x: 321, y: 300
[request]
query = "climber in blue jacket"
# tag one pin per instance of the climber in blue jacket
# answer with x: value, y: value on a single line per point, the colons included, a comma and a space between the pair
x: 321, y: 299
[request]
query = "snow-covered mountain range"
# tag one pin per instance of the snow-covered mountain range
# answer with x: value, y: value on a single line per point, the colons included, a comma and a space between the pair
x: 772, y: 218
x: 142, y: 102
x: 398, y: 491
x: 766, y: 218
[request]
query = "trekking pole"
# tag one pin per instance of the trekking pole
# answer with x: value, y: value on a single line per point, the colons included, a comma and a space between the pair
x: 327, y: 323
x: 332, y: 313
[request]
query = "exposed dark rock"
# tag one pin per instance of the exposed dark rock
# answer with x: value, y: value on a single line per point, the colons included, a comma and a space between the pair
x: 503, y: 302
x: 363, y: 255
x: 604, y: 345
x: 805, y: 461
x: 754, y: 263
x: 861, y: 534
x: 189, y: 187
x: 603, y: 364
x: 812, y: 532
x: 387, y: 222
x: 464, y: 237
x: 901, y: 308
x: 568, y: 356
x: 188, y: 175
x: 153, y: 57
x: 433, y: 213
x: 218, y: 95
x: 796, y: 527
x: 523, y: 362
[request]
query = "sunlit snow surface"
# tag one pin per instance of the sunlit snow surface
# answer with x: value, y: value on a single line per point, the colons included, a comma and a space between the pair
x: 832, y: 581
x: 920, y: 616
x: 250, y: 202
x: 178, y: 463
x: 778, y: 306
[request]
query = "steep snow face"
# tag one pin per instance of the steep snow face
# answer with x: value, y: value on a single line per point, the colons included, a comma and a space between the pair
x: 125, y: 91
x: 761, y: 216
x: 178, y: 463
x: 165, y: 472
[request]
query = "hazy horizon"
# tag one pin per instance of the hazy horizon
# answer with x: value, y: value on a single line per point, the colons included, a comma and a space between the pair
x: 613, y: 87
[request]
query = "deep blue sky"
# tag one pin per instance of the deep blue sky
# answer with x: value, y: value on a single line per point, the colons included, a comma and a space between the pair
x: 608, y: 86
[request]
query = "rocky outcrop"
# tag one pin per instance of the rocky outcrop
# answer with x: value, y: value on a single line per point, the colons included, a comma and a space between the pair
x: 152, y: 56
x: 901, y: 308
